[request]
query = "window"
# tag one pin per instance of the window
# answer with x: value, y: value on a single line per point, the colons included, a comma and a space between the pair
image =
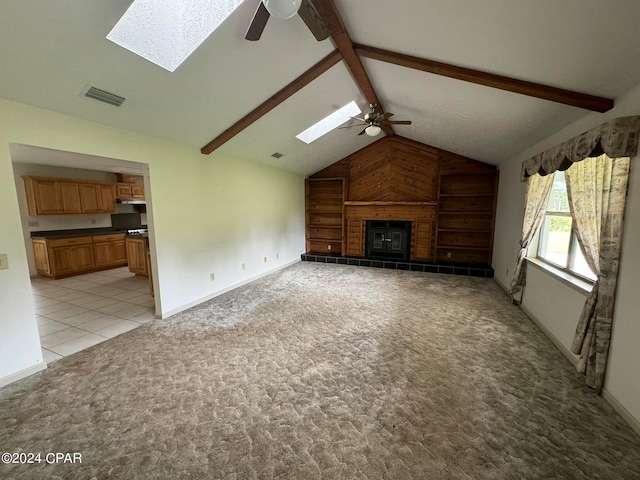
x: 329, y: 122
x: 167, y: 32
x: 558, y: 244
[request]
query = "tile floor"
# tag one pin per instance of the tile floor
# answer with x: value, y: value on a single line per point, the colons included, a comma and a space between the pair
x: 78, y: 312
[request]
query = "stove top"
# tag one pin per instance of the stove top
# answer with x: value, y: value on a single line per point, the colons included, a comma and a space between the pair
x: 137, y: 231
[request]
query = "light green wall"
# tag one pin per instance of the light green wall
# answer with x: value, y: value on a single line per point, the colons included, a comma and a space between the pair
x: 210, y: 215
x: 560, y: 319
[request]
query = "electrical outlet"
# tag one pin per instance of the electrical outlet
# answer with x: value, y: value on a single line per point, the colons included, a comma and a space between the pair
x: 328, y: 247
x: 448, y: 254
x: 277, y: 256
x: 212, y: 277
x: 4, y: 261
x: 265, y: 259
x: 507, y: 271
x: 244, y: 266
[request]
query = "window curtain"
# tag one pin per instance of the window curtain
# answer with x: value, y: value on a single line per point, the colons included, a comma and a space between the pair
x: 597, y: 197
x: 597, y: 190
x: 537, y: 197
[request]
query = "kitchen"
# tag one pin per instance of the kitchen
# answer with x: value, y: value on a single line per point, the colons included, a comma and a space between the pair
x: 87, y: 245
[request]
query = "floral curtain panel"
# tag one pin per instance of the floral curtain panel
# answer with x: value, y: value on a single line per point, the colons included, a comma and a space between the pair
x: 537, y: 197
x: 616, y: 138
x: 597, y: 190
x: 597, y: 194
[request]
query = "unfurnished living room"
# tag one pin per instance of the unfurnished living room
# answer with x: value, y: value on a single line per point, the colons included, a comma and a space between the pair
x: 319, y: 239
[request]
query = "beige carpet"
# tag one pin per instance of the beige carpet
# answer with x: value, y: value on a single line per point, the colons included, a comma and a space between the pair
x: 323, y: 371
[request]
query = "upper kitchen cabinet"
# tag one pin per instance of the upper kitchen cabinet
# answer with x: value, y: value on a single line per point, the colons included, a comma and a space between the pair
x: 130, y: 187
x: 98, y: 198
x: 61, y: 196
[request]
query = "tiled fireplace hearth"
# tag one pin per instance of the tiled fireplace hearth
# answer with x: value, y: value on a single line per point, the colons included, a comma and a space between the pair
x: 472, y: 270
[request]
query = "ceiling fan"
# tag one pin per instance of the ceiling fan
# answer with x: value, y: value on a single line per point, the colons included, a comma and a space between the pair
x: 286, y: 9
x: 375, y: 122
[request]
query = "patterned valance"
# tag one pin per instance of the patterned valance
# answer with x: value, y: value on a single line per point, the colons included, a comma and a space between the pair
x: 616, y: 138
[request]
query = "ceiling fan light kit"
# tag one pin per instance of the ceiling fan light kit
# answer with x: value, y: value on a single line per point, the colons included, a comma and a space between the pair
x: 372, y: 130
x: 282, y: 8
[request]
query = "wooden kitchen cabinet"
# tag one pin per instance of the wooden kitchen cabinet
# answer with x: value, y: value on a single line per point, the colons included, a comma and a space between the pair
x: 49, y: 196
x: 97, y: 198
x: 60, y: 196
x: 110, y: 250
x: 136, y: 255
x: 64, y: 257
x: 128, y: 191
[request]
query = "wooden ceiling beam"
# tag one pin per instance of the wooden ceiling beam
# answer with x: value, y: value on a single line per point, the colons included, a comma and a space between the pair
x: 333, y: 21
x: 298, y: 84
x: 558, y: 95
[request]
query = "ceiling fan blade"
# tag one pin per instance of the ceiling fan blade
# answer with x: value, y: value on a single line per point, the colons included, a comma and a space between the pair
x: 312, y: 20
x: 398, y: 122
x: 258, y: 23
x: 383, y: 116
x: 354, y: 125
x: 386, y: 128
x: 362, y: 132
x: 358, y: 118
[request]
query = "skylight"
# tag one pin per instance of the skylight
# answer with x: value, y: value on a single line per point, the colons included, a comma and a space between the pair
x: 166, y: 32
x: 330, y: 122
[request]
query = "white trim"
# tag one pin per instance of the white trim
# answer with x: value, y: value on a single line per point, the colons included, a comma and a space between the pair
x: 187, y: 306
x: 623, y: 412
x: 579, y: 285
x: 14, y: 377
x: 564, y: 350
x: 606, y: 394
x: 501, y: 285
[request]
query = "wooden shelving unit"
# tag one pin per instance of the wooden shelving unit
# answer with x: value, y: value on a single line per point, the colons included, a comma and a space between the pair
x: 466, y: 214
x: 325, y: 215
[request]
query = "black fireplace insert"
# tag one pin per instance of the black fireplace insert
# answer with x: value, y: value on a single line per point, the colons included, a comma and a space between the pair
x: 388, y: 239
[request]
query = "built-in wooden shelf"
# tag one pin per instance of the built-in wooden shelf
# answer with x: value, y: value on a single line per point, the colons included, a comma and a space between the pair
x: 444, y: 212
x: 462, y: 173
x: 462, y: 247
x: 467, y: 194
x: 468, y: 230
x: 383, y: 204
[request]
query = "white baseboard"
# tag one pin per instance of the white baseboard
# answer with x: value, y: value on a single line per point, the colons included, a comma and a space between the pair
x: 224, y: 290
x: 606, y: 394
x: 565, y: 351
x: 623, y: 412
x: 14, y: 377
x: 501, y: 285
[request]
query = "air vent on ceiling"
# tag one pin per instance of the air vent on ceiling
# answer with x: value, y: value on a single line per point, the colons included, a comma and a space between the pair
x: 103, y: 96
x: 276, y: 155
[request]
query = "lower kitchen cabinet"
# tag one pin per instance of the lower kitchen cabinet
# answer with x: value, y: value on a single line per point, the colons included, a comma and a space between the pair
x: 110, y: 250
x: 64, y: 257
x: 137, y: 255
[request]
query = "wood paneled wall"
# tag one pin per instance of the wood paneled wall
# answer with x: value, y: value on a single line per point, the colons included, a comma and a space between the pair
x: 393, y: 169
x: 449, y: 198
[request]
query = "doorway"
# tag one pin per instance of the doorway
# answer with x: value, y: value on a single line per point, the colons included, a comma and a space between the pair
x: 90, y: 306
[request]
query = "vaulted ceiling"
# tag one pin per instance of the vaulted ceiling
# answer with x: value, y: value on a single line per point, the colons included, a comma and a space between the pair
x: 51, y: 49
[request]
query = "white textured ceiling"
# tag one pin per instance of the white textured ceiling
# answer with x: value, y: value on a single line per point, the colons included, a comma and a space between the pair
x: 51, y: 49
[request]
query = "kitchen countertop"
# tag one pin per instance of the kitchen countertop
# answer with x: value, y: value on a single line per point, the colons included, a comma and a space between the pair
x: 84, y: 232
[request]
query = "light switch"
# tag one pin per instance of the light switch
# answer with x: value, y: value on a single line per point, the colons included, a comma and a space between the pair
x: 4, y: 261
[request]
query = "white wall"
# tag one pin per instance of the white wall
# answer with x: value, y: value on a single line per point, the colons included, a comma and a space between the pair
x: 209, y: 214
x: 554, y: 303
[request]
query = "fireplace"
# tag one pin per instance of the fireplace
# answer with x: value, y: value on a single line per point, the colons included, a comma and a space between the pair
x: 388, y: 239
